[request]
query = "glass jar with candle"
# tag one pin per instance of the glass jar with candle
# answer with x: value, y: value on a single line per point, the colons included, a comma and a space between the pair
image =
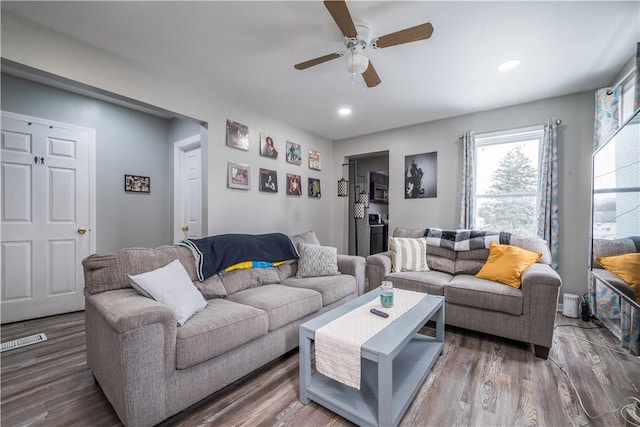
x: 386, y: 296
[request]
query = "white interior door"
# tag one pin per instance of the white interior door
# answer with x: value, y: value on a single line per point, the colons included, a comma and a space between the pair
x: 188, y: 189
x: 46, y: 182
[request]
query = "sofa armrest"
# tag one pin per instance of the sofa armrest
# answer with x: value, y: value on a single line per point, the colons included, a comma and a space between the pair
x: 378, y: 266
x: 540, y: 291
x: 131, y: 343
x: 354, y: 266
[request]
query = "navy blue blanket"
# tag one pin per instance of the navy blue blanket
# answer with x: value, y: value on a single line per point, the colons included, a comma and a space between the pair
x: 215, y: 253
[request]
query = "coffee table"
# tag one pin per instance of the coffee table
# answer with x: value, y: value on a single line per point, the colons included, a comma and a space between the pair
x: 395, y: 363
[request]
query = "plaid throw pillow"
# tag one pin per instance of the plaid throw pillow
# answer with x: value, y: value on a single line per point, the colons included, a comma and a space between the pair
x: 316, y: 260
x: 408, y: 254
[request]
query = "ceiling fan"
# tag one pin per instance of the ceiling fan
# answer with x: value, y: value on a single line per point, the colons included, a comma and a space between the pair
x: 357, y: 40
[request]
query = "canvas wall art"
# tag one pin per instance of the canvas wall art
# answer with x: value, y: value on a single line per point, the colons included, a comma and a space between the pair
x: 137, y: 184
x: 314, y: 188
x: 237, y: 135
x: 314, y: 160
x: 268, y: 146
x: 293, y: 185
x: 238, y: 176
x: 268, y: 181
x: 421, y: 176
x: 294, y: 153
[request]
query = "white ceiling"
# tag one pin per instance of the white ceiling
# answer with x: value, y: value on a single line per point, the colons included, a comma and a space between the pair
x: 246, y: 51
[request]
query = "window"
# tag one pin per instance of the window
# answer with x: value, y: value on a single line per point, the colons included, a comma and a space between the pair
x: 507, y: 178
x: 626, y: 103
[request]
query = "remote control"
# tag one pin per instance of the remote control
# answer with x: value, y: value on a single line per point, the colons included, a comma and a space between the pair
x: 379, y: 313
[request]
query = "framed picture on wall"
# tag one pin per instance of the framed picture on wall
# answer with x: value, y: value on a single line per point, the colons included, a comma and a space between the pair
x: 237, y: 135
x: 314, y: 159
x: 238, y: 176
x: 294, y: 153
x: 268, y: 181
x: 293, y: 185
x: 314, y: 188
x: 137, y: 184
x: 268, y: 146
x: 421, y: 176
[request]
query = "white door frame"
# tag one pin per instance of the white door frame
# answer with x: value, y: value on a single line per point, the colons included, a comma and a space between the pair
x: 179, y: 149
x: 92, y: 165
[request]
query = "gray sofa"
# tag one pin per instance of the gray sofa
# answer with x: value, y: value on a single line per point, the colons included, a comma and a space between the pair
x: 525, y: 314
x: 150, y: 369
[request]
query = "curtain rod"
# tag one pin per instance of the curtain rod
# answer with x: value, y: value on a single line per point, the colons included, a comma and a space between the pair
x: 558, y: 122
x: 619, y: 82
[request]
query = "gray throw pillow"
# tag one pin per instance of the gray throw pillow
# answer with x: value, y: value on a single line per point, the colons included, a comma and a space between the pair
x: 316, y: 260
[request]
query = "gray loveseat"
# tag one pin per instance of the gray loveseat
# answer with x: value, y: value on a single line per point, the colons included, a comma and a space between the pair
x: 525, y: 314
x: 150, y: 369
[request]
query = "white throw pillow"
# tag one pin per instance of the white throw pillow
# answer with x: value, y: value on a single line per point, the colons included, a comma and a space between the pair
x: 408, y: 254
x: 171, y: 285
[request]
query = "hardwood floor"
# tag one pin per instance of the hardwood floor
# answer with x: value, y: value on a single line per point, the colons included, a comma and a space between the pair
x: 478, y: 380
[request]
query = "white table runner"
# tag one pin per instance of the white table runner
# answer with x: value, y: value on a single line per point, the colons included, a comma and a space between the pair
x: 338, y: 343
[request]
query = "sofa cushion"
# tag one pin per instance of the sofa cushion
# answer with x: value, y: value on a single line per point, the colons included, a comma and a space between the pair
x: 222, y: 326
x: 465, y: 289
x: 283, y: 304
x: 470, y: 262
x: 431, y: 282
x: 170, y: 285
x: 506, y: 264
x: 626, y: 267
x: 606, y: 247
x: 332, y: 288
x: 535, y: 244
x: 238, y: 280
x: 316, y: 260
x: 441, y: 259
x: 107, y: 272
x: 409, y: 232
x: 408, y: 254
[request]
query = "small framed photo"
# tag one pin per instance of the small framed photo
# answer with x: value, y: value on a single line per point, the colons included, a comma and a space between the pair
x: 314, y: 188
x: 237, y: 135
x: 268, y: 146
x: 293, y: 185
x: 137, y: 184
x: 314, y: 159
x: 238, y: 176
x: 294, y: 153
x: 268, y: 181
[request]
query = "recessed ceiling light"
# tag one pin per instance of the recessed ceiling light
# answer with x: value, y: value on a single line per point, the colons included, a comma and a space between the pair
x: 344, y: 111
x: 508, y: 65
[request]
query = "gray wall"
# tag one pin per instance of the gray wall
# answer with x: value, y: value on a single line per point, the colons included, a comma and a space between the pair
x: 127, y: 142
x: 228, y: 210
x: 575, y: 141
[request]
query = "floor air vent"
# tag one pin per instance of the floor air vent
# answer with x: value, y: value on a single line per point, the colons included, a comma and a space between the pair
x: 21, y: 342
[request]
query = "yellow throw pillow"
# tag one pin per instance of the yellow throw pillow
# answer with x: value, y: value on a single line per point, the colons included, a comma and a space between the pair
x: 506, y: 264
x: 626, y: 267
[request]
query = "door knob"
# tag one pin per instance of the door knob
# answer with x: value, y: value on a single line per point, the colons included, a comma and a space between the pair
x: 185, y: 228
x: 82, y: 230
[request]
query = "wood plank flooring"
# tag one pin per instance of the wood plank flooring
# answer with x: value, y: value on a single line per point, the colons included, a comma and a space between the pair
x: 478, y: 380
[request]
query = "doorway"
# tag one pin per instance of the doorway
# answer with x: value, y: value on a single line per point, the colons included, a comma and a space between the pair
x: 360, y: 175
x: 187, y: 200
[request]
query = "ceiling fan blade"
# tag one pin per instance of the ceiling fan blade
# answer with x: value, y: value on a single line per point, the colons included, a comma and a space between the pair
x: 316, y: 61
x: 340, y: 13
x: 419, y: 32
x: 370, y: 76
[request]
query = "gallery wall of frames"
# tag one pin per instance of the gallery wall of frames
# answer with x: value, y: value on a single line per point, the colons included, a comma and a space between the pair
x: 269, y: 179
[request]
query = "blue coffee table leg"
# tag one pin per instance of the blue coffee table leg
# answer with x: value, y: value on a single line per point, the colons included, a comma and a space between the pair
x: 385, y: 390
x: 305, y: 366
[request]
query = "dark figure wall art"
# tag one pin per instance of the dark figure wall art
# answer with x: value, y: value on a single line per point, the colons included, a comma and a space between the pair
x: 421, y: 176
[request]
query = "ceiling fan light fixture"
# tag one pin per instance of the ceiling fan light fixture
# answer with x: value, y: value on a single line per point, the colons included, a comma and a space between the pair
x: 357, y: 62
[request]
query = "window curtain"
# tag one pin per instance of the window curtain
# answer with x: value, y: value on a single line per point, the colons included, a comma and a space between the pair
x: 607, y: 114
x: 467, y: 197
x: 548, y: 202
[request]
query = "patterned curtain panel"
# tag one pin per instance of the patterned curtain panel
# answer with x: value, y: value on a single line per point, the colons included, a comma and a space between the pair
x: 548, y: 202
x: 636, y: 101
x: 607, y: 112
x: 467, y: 199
